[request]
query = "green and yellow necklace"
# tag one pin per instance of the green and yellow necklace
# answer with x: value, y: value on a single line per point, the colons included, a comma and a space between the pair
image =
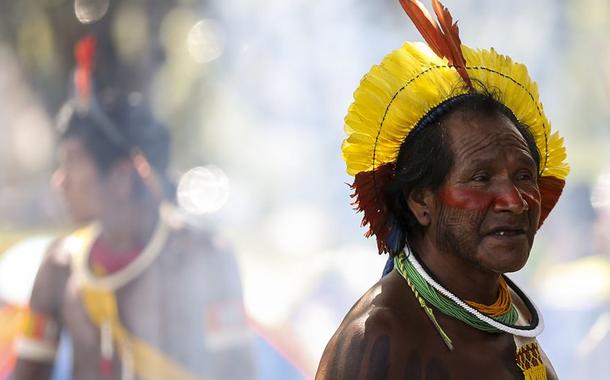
x: 496, y: 318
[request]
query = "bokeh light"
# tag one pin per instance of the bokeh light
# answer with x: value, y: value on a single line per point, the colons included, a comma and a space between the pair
x: 600, y: 196
x: 88, y: 11
x: 18, y: 267
x: 205, y: 41
x: 34, y: 122
x: 203, y: 190
x: 130, y: 31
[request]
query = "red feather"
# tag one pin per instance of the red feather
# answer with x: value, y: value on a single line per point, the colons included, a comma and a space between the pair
x: 550, y: 190
x: 368, y: 194
x: 444, y: 40
x: 452, y: 36
x: 425, y: 24
x: 84, y: 53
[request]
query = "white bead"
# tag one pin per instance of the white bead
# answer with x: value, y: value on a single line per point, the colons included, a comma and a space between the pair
x: 490, y: 321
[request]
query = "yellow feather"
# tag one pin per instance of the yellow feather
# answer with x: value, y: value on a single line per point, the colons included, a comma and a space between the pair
x: 394, y: 95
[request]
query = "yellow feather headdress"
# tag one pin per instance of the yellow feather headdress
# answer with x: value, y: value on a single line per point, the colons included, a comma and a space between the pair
x: 394, y: 96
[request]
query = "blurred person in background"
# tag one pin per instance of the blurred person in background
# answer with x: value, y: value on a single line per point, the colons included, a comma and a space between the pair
x: 455, y: 170
x: 141, y: 293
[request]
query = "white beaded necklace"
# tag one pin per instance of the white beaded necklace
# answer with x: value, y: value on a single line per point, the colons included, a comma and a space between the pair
x: 118, y: 279
x: 527, y: 332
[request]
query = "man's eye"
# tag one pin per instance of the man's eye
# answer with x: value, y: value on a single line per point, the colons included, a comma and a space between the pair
x: 525, y: 176
x: 480, y: 178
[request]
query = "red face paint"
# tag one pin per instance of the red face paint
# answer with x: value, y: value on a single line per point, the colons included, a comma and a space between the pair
x: 477, y: 199
x: 514, y: 199
x: 533, y: 200
x: 464, y: 198
x: 487, y: 212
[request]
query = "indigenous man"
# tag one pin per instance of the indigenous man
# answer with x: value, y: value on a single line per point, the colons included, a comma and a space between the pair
x: 455, y: 170
x: 141, y: 294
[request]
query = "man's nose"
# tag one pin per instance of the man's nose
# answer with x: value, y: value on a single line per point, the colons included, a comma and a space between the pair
x: 509, y: 198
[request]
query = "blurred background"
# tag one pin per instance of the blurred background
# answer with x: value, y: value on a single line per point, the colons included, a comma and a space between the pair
x: 254, y: 94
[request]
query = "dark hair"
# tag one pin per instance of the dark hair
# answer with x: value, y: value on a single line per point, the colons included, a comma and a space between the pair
x: 112, y: 128
x: 426, y: 158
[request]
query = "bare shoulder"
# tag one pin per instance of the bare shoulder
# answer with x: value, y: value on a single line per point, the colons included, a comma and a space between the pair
x: 379, y: 329
x: 57, y: 256
x: 192, y: 241
x: 199, y: 258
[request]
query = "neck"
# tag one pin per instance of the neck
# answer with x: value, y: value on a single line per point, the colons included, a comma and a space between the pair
x: 458, y: 275
x: 127, y: 226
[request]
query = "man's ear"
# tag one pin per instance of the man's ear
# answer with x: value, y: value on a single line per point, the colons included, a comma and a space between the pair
x: 420, y: 203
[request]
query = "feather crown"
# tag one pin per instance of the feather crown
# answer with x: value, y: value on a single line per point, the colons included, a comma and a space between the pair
x: 395, y: 95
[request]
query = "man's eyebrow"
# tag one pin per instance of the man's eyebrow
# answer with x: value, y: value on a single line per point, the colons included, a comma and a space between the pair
x: 526, y: 157
x: 522, y: 157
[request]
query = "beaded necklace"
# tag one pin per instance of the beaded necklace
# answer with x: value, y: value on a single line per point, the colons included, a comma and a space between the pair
x: 445, y: 304
x: 428, y: 290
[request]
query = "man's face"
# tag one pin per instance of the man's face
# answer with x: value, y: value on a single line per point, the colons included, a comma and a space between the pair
x: 77, y: 178
x: 488, y: 209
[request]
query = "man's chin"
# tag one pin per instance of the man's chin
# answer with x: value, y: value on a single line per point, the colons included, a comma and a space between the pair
x: 510, y: 269
x: 505, y: 261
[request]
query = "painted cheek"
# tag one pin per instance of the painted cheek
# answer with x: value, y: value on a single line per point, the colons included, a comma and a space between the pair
x: 466, y: 199
x: 532, y: 198
x: 509, y: 199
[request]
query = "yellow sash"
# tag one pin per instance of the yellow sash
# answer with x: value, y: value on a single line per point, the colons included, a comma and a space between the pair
x: 148, y: 362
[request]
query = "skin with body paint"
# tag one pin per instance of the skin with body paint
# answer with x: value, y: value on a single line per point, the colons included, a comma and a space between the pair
x: 482, y: 221
x: 479, y: 224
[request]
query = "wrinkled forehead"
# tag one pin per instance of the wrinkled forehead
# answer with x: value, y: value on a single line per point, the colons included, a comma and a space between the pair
x: 472, y: 133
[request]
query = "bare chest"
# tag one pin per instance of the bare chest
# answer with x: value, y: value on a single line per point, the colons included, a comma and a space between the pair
x: 470, y: 361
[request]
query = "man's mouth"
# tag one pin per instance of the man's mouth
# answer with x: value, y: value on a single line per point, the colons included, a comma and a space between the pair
x: 507, y: 232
